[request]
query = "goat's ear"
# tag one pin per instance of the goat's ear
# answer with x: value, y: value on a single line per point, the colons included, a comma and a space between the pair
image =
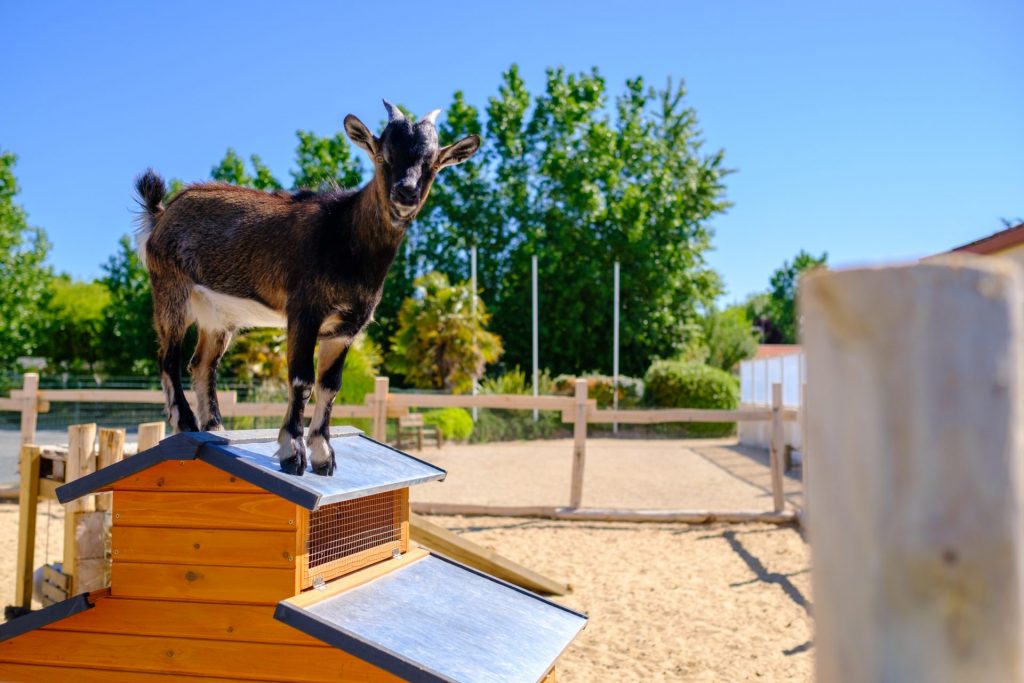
x: 360, y: 134
x: 457, y: 152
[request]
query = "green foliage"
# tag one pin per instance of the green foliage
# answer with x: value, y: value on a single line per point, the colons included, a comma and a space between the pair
x: 441, y: 343
x: 675, y: 384
x: 512, y: 425
x: 775, y: 313
x: 25, y: 277
x: 231, y: 169
x: 728, y: 336
x: 325, y: 160
x: 456, y: 424
x: 74, y: 319
x: 362, y: 367
x: 129, y: 345
x: 515, y: 381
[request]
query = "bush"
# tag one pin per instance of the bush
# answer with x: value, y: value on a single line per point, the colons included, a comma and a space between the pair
x: 675, y: 384
x: 515, y: 425
x: 601, y: 388
x: 456, y: 424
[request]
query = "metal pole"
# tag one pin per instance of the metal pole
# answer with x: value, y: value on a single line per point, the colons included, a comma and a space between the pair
x: 472, y: 305
x: 533, y: 262
x: 615, y: 353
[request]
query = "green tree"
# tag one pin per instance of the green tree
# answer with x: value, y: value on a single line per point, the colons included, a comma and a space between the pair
x: 231, y: 169
x: 327, y: 159
x: 129, y: 345
x: 26, y: 278
x: 729, y: 337
x: 74, y: 320
x: 781, y: 310
x: 441, y: 343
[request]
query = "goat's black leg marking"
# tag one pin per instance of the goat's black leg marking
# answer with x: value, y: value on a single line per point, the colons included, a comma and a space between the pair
x: 302, y: 333
x: 330, y: 363
x: 203, y: 366
x: 182, y: 419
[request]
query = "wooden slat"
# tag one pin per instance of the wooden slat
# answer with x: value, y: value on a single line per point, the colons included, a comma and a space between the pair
x: 110, y: 450
x: 606, y: 515
x: 658, y: 415
x: 118, y: 396
x: 463, y: 550
x: 501, y: 401
x: 175, y: 619
x: 185, y: 475
x: 150, y: 434
x: 246, y: 661
x: 239, y: 548
x: 53, y: 594
x: 27, y: 505
x: 350, y: 581
x: 35, y: 673
x: 278, y: 410
x: 203, y: 510
x: 201, y: 582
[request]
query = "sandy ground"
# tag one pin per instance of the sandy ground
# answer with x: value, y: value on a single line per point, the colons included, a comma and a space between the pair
x: 667, y: 602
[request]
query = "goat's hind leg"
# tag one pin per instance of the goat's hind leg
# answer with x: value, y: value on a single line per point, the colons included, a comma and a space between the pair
x: 172, y: 315
x: 209, y: 350
x: 330, y: 362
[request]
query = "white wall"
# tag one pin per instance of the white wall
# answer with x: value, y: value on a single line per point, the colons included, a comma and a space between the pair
x: 756, y: 379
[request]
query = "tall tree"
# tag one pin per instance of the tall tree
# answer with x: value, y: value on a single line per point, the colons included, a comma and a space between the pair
x: 129, y: 340
x: 25, y: 276
x: 781, y: 313
x: 325, y: 159
x: 73, y: 320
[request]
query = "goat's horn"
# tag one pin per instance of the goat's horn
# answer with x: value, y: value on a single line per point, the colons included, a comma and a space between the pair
x: 394, y: 113
x: 432, y: 116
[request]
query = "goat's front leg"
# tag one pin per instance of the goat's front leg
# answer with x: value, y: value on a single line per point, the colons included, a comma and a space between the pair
x: 302, y: 333
x: 330, y: 362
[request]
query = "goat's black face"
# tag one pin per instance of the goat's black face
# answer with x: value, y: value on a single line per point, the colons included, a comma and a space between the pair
x: 407, y: 156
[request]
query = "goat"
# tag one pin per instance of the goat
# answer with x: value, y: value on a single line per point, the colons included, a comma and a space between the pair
x: 314, y: 263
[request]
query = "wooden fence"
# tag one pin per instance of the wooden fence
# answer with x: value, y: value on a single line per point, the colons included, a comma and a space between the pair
x: 380, y: 405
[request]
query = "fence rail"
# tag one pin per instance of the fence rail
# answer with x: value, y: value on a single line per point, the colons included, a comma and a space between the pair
x: 378, y: 406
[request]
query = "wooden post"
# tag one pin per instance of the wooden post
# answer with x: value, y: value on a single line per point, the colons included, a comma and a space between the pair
x: 380, y: 409
x: 150, y: 434
x: 30, y: 407
x: 916, y: 378
x: 775, y: 452
x: 28, y: 499
x: 804, y: 466
x: 80, y: 442
x: 579, y: 444
x: 111, y: 450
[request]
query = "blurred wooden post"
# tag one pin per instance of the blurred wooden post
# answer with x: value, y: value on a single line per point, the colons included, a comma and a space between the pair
x: 917, y: 381
x: 804, y: 466
x: 579, y: 444
x: 150, y: 434
x: 776, y: 448
x: 28, y: 499
x: 380, y: 409
x: 30, y: 407
x: 78, y: 463
x: 111, y: 450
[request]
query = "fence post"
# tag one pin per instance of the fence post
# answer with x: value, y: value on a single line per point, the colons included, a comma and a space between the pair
x: 917, y: 492
x: 776, y: 447
x: 380, y: 409
x: 150, y: 434
x: 579, y: 444
x: 28, y: 500
x: 30, y: 407
x: 111, y: 450
x: 80, y: 442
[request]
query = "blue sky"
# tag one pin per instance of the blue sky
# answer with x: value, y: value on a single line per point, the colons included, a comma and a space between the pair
x: 872, y: 130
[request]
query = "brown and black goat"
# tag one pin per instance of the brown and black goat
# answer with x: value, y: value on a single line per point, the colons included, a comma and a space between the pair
x: 227, y: 258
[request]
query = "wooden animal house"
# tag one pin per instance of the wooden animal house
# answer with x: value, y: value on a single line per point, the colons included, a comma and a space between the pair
x: 223, y: 567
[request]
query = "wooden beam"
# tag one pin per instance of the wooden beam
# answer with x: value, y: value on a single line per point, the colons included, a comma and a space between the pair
x: 79, y: 462
x: 916, y: 378
x: 27, y: 505
x: 579, y: 444
x: 30, y: 397
x: 111, y: 450
x: 776, y: 449
x: 607, y: 515
x: 460, y: 549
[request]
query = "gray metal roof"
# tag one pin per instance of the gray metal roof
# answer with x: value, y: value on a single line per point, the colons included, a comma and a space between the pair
x: 437, y: 620
x: 364, y: 466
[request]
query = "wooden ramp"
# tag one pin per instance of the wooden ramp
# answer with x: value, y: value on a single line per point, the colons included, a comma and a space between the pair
x: 452, y: 545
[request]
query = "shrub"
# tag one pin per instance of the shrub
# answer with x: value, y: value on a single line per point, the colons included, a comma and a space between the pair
x: 601, y: 388
x: 455, y: 423
x: 514, y: 425
x: 675, y: 384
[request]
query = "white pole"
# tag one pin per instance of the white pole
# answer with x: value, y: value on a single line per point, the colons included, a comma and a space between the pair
x: 533, y: 263
x: 615, y: 353
x: 472, y: 285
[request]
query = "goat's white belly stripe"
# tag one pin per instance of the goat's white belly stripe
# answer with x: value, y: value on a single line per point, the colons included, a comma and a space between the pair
x: 214, y: 310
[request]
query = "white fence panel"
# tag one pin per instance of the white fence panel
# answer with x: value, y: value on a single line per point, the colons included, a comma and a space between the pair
x: 756, y: 379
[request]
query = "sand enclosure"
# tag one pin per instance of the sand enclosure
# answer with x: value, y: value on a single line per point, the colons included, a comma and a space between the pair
x: 667, y: 602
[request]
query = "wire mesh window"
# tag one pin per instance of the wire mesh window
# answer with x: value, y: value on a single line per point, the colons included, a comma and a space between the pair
x: 344, y: 537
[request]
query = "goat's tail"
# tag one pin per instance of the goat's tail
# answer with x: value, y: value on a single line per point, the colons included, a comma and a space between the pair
x: 150, y: 189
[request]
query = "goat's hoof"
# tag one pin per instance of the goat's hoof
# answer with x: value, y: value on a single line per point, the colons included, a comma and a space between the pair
x: 296, y: 464
x: 322, y: 457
